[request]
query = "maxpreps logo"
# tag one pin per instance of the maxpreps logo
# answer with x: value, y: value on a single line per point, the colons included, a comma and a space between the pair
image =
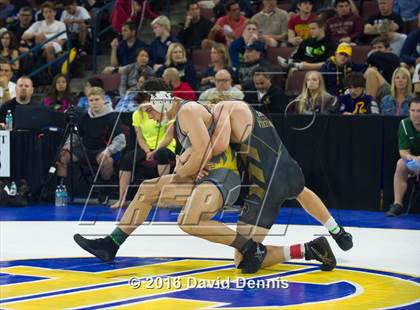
x: 193, y: 283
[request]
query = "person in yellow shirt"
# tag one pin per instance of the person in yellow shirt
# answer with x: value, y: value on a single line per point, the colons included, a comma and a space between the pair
x: 151, y: 145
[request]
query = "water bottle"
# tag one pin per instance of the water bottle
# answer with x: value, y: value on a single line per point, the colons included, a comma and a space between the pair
x: 9, y: 120
x: 64, y: 196
x: 13, y: 189
x: 58, y: 196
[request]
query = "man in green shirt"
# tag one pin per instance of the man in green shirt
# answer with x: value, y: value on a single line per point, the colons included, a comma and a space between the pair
x: 409, y: 163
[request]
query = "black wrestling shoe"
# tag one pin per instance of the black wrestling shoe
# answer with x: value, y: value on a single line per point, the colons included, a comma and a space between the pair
x: 343, y: 239
x: 254, y: 254
x: 320, y: 250
x: 103, y: 248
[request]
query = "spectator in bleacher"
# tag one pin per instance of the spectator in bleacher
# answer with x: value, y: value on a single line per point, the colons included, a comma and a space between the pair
x: 298, y: 25
x: 407, y: 9
x: 43, y: 30
x: 409, y: 148
x: 253, y: 58
x: 345, y: 26
x: 9, y: 49
x: 124, y: 52
x: 229, y: 27
x: 129, y: 102
x: 219, y: 9
x: 92, y: 82
x: 60, y: 97
x: 23, y: 22
x: 130, y: 73
x: 237, y: 47
x: 196, y: 27
x: 263, y: 95
x: 382, y: 64
x: 272, y: 22
x: 176, y: 57
x: 218, y: 60
x: 7, y: 87
x: 337, y: 67
x: 24, y: 91
x: 410, y: 52
x: 223, y: 90
x: 397, y: 103
x: 371, y: 28
x: 6, y: 11
x: 159, y: 47
x: 313, y: 52
x: 314, y: 98
x: 101, y: 136
x: 416, y: 80
x: 179, y: 88
x: 152, y: 144
x: 356, y: 101
x: 129, y: 10
x: 77, y: 20
x: 396, y: 40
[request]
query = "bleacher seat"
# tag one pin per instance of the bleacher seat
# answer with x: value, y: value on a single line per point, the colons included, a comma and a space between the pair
x: 273, y: 52
x: 111, y: 81
x: 368, y: 8
x: 200, y: 58
x: 295, y: 82
x: 360, y: 53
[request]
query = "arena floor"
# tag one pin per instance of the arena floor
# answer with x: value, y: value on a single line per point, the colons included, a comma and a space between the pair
x: 160, y: 267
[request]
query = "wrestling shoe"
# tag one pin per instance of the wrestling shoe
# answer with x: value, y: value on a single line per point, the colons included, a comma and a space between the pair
x: 320, y: 250
x: 103, y: 248
x: 254, y: 254
x: 343, y: 239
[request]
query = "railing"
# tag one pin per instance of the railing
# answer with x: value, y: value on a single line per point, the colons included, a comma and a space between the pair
x: 39, y: 46
x: 97, y: 33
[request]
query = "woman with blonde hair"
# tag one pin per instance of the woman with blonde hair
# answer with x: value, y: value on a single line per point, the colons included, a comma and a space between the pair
x: 176, y: 57
x: 219, y: 60
x: 314, y: 98
x: 158, y: 48
x: 401, y: 93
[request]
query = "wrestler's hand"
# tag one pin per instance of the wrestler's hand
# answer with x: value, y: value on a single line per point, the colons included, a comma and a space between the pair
x: 203, y: 172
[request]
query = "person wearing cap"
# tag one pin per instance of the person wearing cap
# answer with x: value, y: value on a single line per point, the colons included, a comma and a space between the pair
x: 298, y: 25
x: 345, y: 26
x: 337, y: 67
x: 253, y: 57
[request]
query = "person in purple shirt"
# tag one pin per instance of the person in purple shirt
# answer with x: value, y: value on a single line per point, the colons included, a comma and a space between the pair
x: 355, y: 101
x: 60, y: 97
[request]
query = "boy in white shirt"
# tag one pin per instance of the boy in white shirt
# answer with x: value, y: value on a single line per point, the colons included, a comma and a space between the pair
x: 77, y: 20
x: 43, y: 30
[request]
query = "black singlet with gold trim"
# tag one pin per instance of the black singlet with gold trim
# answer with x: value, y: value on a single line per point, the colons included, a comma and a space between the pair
x: 273, y: 175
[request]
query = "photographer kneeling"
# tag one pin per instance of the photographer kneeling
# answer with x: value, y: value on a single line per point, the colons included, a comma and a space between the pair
x: 96, y: 128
